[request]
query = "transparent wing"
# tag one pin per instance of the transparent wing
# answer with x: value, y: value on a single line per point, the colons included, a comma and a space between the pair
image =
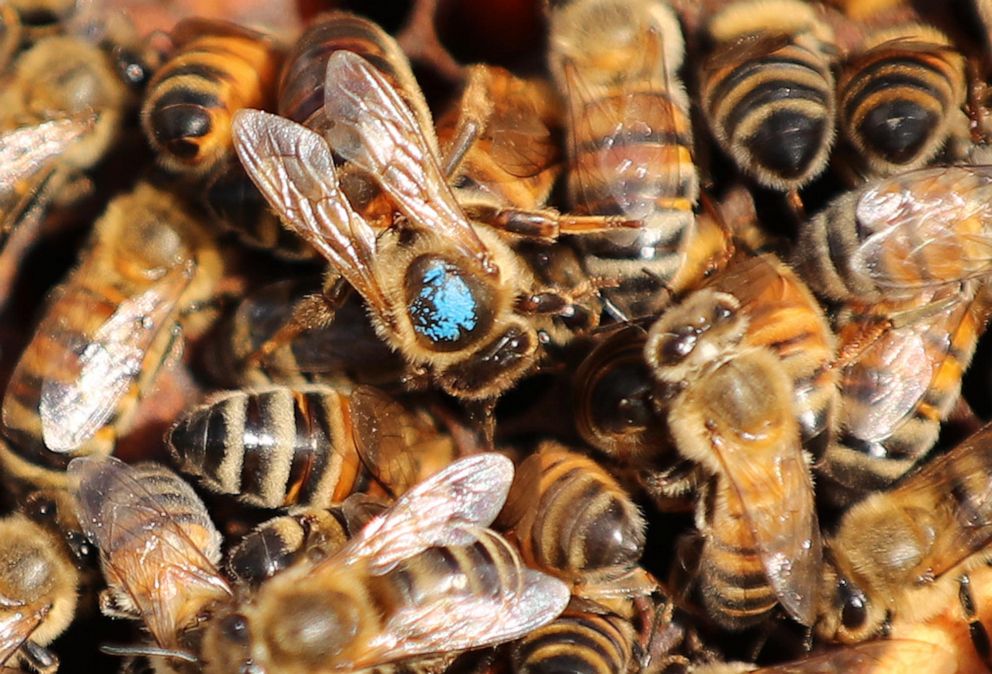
x: 16, y: 627
x: 73, y: 407
x: 373, y: 128
x: 926, y: 227
x: 293, y: 167
x: 502, y: 601
x: 397, y: 446
x: 164, y: 564
x: 442, y: 510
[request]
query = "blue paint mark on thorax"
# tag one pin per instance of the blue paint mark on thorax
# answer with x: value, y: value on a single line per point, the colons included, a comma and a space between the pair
x: 445, y: 309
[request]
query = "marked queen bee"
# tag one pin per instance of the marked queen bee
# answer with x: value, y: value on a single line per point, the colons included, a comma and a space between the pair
x: 451, y: 297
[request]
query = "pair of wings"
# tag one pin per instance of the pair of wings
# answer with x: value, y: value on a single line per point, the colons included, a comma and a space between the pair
x: 293, y: 167
x: 450, y: 508
x: 86, y: 376
x: 925, y: 228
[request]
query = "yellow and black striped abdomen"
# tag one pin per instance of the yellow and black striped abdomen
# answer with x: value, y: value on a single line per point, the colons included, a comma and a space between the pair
x: 192, y: 99
x: 896, y: 103
x: 272, y: 448
x: 580, y: 643
x: 772, y: 112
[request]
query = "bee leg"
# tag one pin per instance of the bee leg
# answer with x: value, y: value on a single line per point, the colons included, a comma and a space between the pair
x: 477, y: 108
x: 796, y: 205
x: 38, y: 658
x: 547, y: 224
x: 309, y: 313
x: 658, y: 635
x: 979, y: 635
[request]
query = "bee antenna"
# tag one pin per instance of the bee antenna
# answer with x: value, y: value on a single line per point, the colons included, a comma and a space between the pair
x: 123, y: 650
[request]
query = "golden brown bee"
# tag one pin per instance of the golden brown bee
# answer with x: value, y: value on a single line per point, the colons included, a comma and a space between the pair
x: 580, y: 642
x: 901, y: 98
x: 730, y: 409
x: 897, y: 237
x: 158, y: 551
x: 106, y: 333
x: 904, y: 553
x: 39, y: 581
x: 312, y: 446
x: 217, y: 68
x: 390, y: 593
x: 571, y: 519
x: 451, y: 297
x: 61, y: 111
x: 629, y: 143
x: 900, y: 368
x: 768, y: 92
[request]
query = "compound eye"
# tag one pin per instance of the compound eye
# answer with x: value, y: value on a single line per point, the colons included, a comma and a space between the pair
x: 448, y: 307
x: 854, y: 607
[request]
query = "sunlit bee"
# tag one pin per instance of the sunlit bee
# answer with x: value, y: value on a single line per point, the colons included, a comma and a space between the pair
x: 158, y: 551
x: 629, y: 142
x: 900, y: 375
x: 450, y: 297
x: 387, y: 596
x: 730, y: 409
x: 899, y: 554
x: 217, y: 69
x: 312, y: 446
x: 899, y: 236
x: 901, y: 98
x: 107, y: 331
x: 572, y: 519
x: 768, y: 92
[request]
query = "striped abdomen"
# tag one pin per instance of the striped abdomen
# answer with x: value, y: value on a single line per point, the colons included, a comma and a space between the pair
x: 274, y: 447
x: 572, y: 518
x: 773, y: 112
x: 785, y: 317
x: 733, y: 581
x: 898, y: 99
x: 583, y: 643
x: 918, y: 367
x: 217, y: 69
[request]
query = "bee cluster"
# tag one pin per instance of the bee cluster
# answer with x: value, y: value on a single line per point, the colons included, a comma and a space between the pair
x: 632, y: 337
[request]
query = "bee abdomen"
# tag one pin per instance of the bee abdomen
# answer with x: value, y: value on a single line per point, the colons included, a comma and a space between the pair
x: 775, y: 113
x: 272, y: 447
x: 735, y: 587
x: 583, y: 643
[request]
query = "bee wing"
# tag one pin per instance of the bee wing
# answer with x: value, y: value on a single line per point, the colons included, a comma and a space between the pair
x: 438, y: 511
x: 74, y: 407
x: 746, y: 49
x: 926, y: 227
x: 293, y: 167
x: 16, y: 628
x: 774, y: 491
x: 195, y: 27
x: 28, y: 157
x: 393, y: 443
x: 897, y: 369
x: 169, y: 567
x: 487, y: 614
x: 892, y: 656
x: 374, y: 129
x: 613, y: 122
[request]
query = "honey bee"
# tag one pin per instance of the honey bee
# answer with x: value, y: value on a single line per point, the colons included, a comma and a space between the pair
x: 61, y: 111
x: 730, y: 409
x: 607, y: 645
x: 901, y: 98
x: 599, y: 549
x: 378, y: 600
x: 903, y: 553
x: 347, y: 348
x: 217, y: 68
x: 449, y: 296
x: 768, y: 92
x: 40, y: 580
x: 866, y: 245
x: 106, y: 333
x: 158, y: 550
x: 901, y: 383
x: 312, y: 446
x: 629, y: 143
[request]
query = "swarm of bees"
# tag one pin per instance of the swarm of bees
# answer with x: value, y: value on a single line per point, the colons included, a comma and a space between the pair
x: 645, y: 348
